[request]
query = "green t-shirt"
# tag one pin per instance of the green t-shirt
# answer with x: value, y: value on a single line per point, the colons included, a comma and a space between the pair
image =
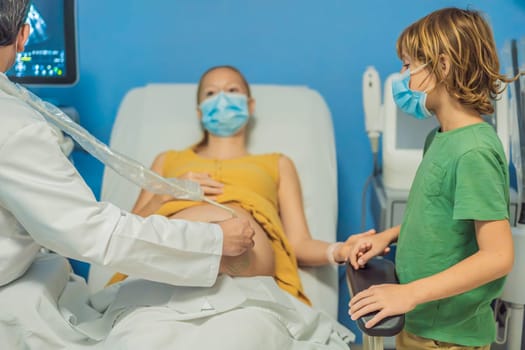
x: 463, y: 177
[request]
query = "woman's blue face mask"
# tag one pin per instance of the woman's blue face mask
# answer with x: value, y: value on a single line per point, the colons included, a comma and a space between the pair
x: 224, y: 114
x: 410, y: 101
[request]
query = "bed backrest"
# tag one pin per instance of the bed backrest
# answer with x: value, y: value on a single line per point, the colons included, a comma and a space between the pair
x: 293, y: 120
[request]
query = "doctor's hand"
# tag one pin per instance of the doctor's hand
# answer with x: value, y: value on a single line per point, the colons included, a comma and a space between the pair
x: 237, y: 236
x: 210, y: 187
x: 387, y: 299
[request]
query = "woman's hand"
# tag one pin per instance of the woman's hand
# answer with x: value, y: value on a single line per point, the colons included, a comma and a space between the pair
x: 210, y: 187
x: 387, y: 299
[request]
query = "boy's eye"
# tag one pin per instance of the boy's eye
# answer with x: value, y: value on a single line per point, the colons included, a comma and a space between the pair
x: 233, y: 89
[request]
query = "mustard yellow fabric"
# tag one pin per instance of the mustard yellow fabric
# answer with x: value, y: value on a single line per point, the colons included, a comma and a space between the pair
x: 251, y: 182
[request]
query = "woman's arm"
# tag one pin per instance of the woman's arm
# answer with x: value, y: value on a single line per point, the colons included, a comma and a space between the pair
x: 493, y: 260
x: 309, y: 251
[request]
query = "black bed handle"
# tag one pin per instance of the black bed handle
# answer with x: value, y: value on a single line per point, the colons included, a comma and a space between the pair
x: 376, y: 271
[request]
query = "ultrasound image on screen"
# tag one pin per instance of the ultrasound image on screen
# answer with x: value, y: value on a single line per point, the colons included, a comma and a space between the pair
x: 38, y: 26
x: 44, y: 51
x: 48, y: 55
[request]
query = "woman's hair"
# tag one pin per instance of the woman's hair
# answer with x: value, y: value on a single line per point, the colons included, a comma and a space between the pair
x: 204, y: 140
x: 466, y: 38
x: 232, y: 68
x: 13, y: 14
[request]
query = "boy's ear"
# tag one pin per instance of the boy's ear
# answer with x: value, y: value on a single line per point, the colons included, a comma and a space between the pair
x: 444, y: 64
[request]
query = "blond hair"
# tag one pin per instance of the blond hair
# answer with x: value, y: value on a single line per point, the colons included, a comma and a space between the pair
x: 466, y: 38
x: 233, y: 69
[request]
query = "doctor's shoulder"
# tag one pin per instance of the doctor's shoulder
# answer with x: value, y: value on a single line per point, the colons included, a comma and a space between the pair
x: 16, y: 115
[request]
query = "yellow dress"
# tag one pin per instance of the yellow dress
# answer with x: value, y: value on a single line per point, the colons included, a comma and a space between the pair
x: 251, y: 182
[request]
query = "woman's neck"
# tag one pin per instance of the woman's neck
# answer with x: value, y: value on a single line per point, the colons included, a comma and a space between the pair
x: 223, y: 147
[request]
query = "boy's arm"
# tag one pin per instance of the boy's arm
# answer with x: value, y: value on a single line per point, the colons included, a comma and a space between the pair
x: 493, y: 260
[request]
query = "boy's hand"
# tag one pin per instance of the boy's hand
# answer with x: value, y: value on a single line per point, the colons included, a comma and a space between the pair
x: 346, y: 249
x: 366, y: 247
x: 387, y: 299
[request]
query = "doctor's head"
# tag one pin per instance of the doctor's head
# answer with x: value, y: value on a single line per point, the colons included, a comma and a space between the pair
x: 224, y: 102
x: 13, y: 30
x: 457, y: 49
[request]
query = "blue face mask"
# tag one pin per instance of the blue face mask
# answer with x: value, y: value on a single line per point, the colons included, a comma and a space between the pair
x: 410, y: 101
x: 224, y: 114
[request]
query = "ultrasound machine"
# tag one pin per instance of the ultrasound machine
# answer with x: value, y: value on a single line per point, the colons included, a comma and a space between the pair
x: 50, y: 56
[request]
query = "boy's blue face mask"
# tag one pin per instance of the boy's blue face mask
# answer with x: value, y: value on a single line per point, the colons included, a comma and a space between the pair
x: 410, y: 101
x: 224, y: 114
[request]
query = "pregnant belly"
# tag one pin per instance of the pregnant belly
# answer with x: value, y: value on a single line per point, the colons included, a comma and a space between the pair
x: 261, y: 256
x: 210, y: 213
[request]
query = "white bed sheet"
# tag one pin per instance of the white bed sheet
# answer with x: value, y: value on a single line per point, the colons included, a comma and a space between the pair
x: 49, y: 308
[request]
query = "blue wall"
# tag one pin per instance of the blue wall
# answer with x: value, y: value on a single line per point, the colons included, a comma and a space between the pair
x: 325, y: 44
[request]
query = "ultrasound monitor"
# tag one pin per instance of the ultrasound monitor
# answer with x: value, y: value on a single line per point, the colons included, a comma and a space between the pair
x: 50, y: 56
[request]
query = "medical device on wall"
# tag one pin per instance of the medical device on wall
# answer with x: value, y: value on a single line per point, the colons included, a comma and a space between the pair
x: 372, y: 106
x: 50, y: 55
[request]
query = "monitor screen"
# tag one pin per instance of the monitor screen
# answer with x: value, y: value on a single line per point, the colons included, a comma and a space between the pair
x: 50, y: 55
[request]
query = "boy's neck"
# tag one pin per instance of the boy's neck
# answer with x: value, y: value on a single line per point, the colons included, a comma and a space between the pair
x: 452, y: 115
